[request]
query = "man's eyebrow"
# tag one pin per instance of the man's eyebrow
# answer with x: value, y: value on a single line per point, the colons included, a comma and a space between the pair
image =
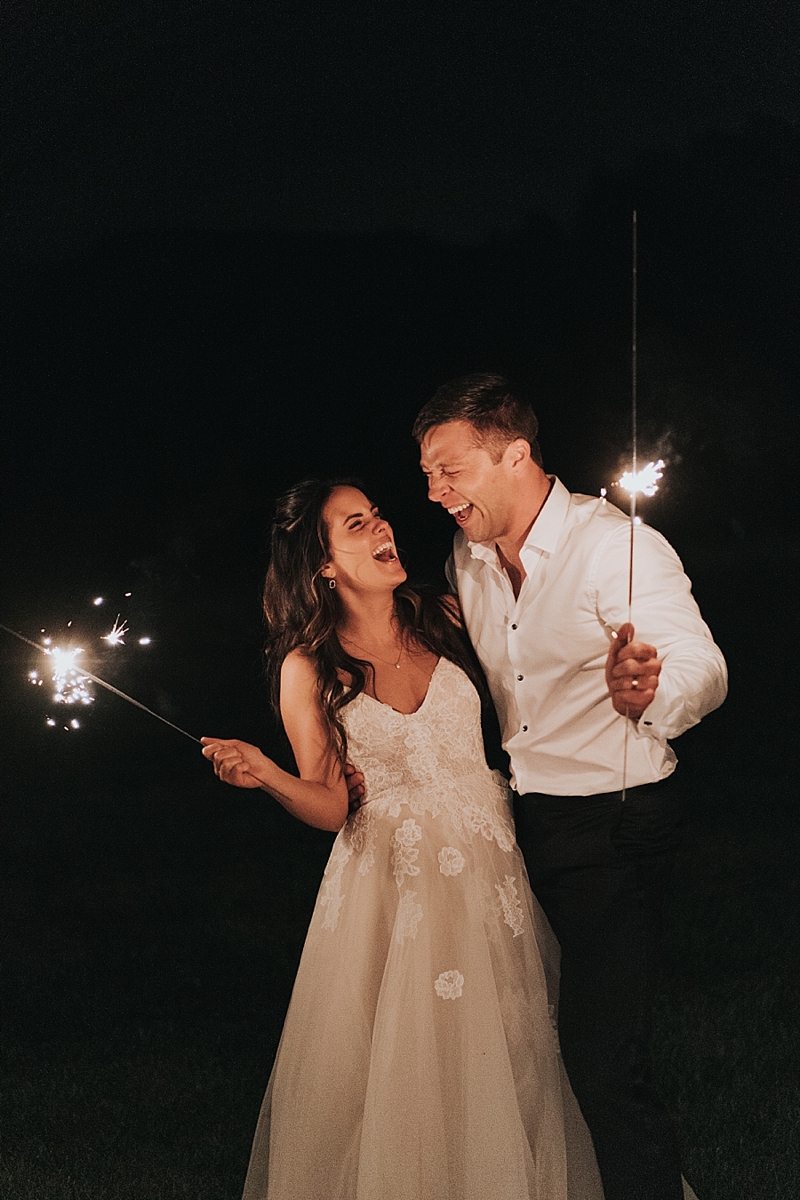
x: 441, y: 464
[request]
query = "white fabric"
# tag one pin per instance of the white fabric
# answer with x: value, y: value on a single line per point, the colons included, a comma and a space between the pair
x: 544, y: 653
x: 419, y: 1059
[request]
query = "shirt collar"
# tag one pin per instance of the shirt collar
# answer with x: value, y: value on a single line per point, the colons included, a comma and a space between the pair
x: 543, y: 534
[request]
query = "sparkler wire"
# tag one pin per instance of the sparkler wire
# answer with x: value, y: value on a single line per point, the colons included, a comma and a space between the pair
x: 634, y: 439
x: 108, y: 686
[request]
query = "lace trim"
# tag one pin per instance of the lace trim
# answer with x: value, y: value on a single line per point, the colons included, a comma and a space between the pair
x: 404, y: 851
x: 513, y: 914
x: 409, y: 915
x: 330, y: 896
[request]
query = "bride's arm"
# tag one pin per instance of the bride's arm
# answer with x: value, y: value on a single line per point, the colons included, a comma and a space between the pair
x: 319, y: 796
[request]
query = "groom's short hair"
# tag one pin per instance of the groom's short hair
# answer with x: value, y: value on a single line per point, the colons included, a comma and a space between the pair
x: 498, y: 408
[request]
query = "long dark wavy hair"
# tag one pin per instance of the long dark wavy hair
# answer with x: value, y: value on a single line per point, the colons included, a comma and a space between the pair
x: 301, y: 610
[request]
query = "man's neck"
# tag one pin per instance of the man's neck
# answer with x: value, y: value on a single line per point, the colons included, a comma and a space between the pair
x: 509, y: 547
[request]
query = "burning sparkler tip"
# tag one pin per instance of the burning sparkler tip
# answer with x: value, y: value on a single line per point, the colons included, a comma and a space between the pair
x: 644, y: 481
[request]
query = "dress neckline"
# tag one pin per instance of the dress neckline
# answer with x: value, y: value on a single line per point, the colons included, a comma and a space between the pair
x: 422, y: 704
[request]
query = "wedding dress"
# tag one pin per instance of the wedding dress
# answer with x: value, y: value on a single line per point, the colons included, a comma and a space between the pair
x: 419, y: 1059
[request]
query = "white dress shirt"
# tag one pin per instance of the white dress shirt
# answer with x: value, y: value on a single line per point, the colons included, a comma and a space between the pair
x: 544, y: 652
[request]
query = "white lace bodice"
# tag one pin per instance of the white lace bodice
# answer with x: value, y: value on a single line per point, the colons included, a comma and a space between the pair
x: 431, y: 761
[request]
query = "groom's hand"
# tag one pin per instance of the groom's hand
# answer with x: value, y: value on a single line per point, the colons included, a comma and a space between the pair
x: 355, y: 786
x: 632, y: 671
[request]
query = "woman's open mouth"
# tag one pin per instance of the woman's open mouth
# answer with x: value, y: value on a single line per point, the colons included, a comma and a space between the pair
x: 384, y: 553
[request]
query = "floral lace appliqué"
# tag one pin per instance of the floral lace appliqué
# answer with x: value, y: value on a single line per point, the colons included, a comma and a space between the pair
x: 449, y: 985
x: 360, y: 835
x: 409, y: 915
x: 512, y: 909
x: 330, y: 895
x: 451, y: 861
x: 404, y: 851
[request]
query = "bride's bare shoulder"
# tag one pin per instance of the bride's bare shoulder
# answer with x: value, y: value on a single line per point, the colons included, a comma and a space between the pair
x: 298, y: 669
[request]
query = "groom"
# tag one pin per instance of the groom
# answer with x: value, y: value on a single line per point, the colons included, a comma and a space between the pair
x: 542, y: 576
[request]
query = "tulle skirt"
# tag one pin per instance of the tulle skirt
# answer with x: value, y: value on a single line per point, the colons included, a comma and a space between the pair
x: 419, y: 1058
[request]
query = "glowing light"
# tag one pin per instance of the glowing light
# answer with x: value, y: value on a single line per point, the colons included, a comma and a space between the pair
x: 72, y: 686
x: 98, y: 600
x: 144, y: 641
x: 117, y: 635
x: 644, y: 481
x: 72, y: 683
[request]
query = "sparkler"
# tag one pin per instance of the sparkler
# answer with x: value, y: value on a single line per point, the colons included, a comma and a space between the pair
x: 635, y: 481
x: 70, y: 679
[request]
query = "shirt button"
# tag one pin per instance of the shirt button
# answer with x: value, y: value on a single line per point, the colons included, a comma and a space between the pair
x: 514, y: 626
x: 520, y: 678
x: 524, y: 728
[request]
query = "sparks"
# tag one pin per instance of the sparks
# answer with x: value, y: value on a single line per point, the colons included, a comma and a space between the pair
x: 117, y: 635
x: 72, y: 683
x: 72, y: 686
x: 644, y: 481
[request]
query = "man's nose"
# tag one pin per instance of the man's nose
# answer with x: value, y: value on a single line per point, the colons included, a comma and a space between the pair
x: 436, y: 488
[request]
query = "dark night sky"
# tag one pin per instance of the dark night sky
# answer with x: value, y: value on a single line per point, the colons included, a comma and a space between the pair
x: 245, y: 241
x: 454, y: 119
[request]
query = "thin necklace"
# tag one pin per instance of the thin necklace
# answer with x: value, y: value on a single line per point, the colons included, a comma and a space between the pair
x: 372, y: 653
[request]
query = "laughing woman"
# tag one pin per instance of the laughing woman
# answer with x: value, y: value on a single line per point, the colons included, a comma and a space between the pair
x: 419, y: 1059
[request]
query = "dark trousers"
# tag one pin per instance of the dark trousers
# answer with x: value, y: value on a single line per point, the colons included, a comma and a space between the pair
x: 599, y: 868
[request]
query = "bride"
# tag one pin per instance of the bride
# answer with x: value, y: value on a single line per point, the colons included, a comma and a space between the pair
x: 419, y: 1058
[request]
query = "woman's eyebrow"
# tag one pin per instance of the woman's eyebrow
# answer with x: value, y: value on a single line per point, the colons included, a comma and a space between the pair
x: 373, y: 509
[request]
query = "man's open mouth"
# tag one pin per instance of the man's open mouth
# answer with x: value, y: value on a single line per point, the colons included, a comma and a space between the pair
x: 461, y: 512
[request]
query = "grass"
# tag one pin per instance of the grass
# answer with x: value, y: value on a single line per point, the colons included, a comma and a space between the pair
x: 727, y: 1043
x: 153, y: 931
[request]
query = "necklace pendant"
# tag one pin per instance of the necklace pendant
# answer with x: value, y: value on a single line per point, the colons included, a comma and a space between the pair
x: 397, y: 666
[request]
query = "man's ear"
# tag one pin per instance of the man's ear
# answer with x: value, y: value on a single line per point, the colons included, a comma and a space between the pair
x: 518, y: 452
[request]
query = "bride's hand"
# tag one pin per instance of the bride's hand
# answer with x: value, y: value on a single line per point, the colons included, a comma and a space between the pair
x: 235, y: 762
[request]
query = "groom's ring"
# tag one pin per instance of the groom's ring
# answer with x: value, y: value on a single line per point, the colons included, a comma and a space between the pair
x: 634, y: 683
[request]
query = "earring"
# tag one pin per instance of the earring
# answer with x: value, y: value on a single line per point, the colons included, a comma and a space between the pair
x: 331, y: 584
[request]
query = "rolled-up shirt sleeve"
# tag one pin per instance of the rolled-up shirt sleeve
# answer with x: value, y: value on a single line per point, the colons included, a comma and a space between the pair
x: 694, y: 678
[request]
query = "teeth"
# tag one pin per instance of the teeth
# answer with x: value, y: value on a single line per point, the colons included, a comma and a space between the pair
x: 382, y: 548
x: 459, y: 508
